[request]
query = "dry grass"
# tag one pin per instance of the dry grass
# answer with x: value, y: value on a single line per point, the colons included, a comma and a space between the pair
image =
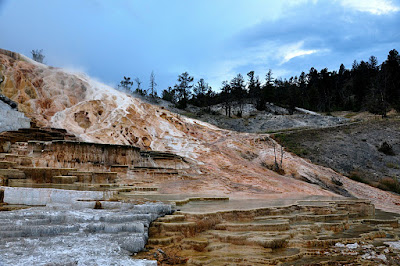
x: 274, y: 168
x: 390, y: 184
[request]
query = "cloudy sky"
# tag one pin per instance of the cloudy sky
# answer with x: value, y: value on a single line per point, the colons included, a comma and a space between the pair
x: 211, y: 39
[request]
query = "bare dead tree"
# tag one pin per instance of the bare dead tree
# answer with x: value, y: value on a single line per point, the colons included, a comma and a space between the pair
x: 278, y: 165
x: 139, y: 90
x: 153, y: 85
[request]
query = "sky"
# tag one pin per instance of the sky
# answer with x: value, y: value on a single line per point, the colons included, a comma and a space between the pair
x: 210, y: 39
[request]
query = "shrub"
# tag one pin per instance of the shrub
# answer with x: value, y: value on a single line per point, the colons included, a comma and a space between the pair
x: 390, y: 184
x: 357, y: 176
x: 392, y: 165
x: 273, y: 167
x: 386, y: 148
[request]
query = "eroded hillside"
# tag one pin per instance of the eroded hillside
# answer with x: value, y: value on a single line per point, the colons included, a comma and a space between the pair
x: 223, y: 162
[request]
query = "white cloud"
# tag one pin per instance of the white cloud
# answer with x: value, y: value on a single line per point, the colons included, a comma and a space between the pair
x: 291, y: 51
x: 259, y: 58
x: 376, y: 7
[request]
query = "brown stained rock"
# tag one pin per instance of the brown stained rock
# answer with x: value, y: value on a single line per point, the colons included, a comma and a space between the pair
x: 146, y: 141
x: 64, y: 179
x: 197, y: 244
x: 19, y: 160
x: 83, y: 177
x: 97, y: 205
x: 5, y: 146
x: 82, y: 119
x: 44, y: 174
x: 104, y: 177
x: 119, y: 168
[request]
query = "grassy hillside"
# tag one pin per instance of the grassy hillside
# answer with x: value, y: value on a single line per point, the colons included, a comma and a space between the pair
x: 367, y: 151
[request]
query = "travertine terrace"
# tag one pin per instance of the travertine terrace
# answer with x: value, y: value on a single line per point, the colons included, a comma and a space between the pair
x: 306, y: 232
x: 88, y: 136
x: 66, y: 162
x: 224, y: 162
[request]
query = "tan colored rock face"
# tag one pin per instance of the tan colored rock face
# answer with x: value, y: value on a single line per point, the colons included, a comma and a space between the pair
x: 226, y: 162
x: 39, y: 90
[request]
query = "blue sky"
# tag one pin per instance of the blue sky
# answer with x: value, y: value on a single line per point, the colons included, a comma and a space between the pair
x: 211, y: 39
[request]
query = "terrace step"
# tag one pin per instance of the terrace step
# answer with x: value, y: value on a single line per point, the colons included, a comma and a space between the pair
x: 307, y: 216
x: 265, y: 240
x: 393, y: 222
x: 12, y: 174
x: 82, y: 176
x: 145, y: 189
x: 44, y: 174
x: 104, y: 177
x: 176, y: 227
x: 119, y: 168
x: 20, y: 148
x: 21, y: 160
x: 163, y: 241
x: 172, y: 218
x: 7, y: 164
x: 255, y: 226
x: 64, y: 179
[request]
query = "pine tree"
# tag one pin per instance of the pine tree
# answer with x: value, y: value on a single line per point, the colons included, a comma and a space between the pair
x: 183, y: 89
x: 126, y: 84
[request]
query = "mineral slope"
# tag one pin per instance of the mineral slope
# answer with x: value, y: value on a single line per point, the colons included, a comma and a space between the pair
x: 223, y: 162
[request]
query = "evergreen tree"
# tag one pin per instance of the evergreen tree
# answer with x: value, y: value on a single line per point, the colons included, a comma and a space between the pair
x: 169, y: 95
x: 126, y: 84
x: 366, y: 86
x: 183, y: 89
x: 267, y: 92
x: 200, y: 93
x: 391, y: 81
x: 226, y: 96
x: 239, y: 93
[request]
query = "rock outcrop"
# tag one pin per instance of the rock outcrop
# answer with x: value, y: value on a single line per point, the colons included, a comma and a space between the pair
x: 11, y: 119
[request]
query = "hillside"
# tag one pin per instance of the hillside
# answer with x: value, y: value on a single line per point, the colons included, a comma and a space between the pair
x: 223, y: 162
x: 354, y: 150
x: 273, y: 119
